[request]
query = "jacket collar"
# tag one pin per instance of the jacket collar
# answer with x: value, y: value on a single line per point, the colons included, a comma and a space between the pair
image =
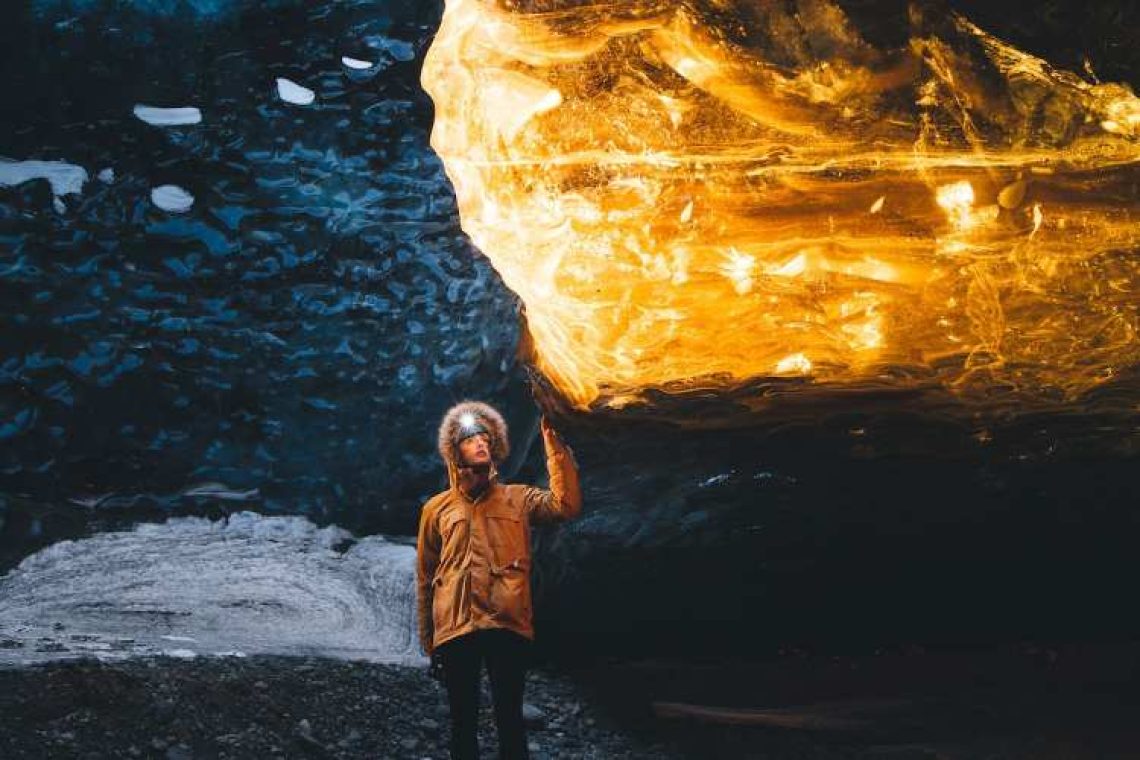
x: 453, y: 482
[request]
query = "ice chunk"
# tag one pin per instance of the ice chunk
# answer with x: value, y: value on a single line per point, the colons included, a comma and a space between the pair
x: 171, y: 198
x: 107, y: 176
x: 251, y: 584
x: 168, y: 117
x: 64, y: 177
x: 355, y: 63
x: 291, y: 92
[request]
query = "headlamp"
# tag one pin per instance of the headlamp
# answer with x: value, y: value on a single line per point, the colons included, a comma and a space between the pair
x: 469, y: 425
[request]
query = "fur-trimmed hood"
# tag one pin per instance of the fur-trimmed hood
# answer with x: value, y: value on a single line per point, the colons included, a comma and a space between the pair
x: 488, y: 417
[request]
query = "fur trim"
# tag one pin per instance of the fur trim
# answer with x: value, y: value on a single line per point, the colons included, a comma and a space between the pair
x: 488, y: 416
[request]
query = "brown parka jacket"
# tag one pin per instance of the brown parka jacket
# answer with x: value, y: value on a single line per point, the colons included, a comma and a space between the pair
x: 473, y: 568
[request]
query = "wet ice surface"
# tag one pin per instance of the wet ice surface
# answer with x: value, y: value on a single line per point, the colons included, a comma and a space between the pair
x: 316, y: 291
x: 193, y: 587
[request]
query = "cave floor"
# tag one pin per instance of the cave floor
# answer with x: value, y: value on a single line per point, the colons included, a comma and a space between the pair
x: 1026, y: 702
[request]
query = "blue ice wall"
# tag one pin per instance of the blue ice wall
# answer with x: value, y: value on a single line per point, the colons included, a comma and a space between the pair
x: 289, y: 342
x: 185, y: 9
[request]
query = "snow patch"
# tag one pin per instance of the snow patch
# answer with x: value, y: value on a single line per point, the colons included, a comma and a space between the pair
x: 171, y: 198
x: 65, y: 178
x: 168, y: 117
x: 291, y: 92
x: 355, y: 63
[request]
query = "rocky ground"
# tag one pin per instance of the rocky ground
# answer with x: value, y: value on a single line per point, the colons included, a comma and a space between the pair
x: 272, y: 707
x: 1040, y: 704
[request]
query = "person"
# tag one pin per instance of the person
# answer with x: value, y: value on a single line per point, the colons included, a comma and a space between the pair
x: 473, y: 571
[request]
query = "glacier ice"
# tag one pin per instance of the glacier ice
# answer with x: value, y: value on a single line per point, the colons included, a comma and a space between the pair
x: 191, y: 586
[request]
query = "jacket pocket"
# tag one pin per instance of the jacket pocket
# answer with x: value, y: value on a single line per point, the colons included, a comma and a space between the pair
x: 507, y: 534
x: 511, y: 590
x: 449, y: 601
x: 453, y: 528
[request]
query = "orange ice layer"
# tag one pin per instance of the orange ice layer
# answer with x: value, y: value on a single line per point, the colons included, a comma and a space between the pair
x: 710, y: 192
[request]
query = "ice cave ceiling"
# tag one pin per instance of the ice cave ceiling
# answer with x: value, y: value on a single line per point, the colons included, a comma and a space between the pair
x: 235, y: 272
x: 694, y: 196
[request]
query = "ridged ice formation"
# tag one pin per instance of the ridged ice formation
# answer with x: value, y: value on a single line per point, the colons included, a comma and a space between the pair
x: 247, y: 585
x: 699, y: 194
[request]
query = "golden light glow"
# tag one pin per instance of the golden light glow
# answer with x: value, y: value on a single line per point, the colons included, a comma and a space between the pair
x: 797, y: 364
x: 738, y: 269
x: 683, y: 196
x: 957, y: 199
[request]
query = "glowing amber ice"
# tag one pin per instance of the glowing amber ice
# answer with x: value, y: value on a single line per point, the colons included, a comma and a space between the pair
x: 703, y: 193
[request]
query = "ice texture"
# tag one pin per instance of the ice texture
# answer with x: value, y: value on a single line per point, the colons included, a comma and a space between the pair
x: 192, y: 586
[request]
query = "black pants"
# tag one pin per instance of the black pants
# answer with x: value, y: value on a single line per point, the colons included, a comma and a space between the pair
x: 506, y: 654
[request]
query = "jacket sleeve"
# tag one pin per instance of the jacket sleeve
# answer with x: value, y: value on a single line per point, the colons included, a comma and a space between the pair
x: 563, y: 500
x: 427, y: 558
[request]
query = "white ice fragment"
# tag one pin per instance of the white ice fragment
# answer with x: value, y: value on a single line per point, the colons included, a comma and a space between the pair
x: 355, y: 63
x: 65, y: 178
x: 179, y: 638
x: 291, y: 92
x: 168, y: 117
x: 171, y: 198
x: 107, y: 176
x: 60, y: 208
x: 185, y: 654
